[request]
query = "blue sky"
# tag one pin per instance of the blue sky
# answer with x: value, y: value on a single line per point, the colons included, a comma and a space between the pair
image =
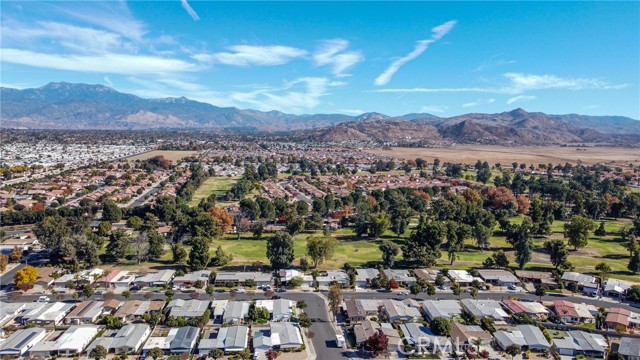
x: 337, y: 57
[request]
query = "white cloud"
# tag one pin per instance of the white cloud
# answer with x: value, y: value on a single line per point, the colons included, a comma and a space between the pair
x: 108, y: 62
x: 245, y: 55
x: 107, y: 81
x: 492, y: 62
x: 436, y: 34
x: 479, y: 102
x: 294, y: 96
x: 518, y: 83
x: 333, y: 53
x: 520, y: 98
x: 189, y: 10
x: 434, y: 109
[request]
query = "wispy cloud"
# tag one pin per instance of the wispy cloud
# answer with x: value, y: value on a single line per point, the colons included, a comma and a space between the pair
x: 190, y: 10
x: 436, y: 34
x: 334, y: 53
x: 351, y: 111
x: 437, y: 109
x: 520, y: 98
x: 492, y: 62
x: 518, y: 83
x: 246, y: 55
x: 478, y: 102
x: 107, y: 81
x: 103, y: 63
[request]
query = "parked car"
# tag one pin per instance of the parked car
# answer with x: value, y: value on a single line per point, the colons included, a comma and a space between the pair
x: 512, y: 287
x: 241, y: 291
x: 43, y: 299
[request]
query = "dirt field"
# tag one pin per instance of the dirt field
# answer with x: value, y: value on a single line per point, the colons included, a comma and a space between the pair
x: 506, y: 155
x: 173, y: 155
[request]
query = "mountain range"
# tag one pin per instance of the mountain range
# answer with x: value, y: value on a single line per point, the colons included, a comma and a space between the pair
x: 63, y: 105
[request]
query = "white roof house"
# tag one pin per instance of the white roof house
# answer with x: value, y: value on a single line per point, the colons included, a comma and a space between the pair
x: 161, y: 277
x: 232, y: 338
x: 188, y: 308
x: 578, y: 342
x: 484, y: 308
x: 239, y: 278
x: 235, y: 312
x: 47, y: 313
x: 192, y: 278
x: 285, y: 335
x: 128, y: 340
x: 424, y: 339
x: 85, y: 312
x: 178, y: 341
x: 338, y: 276
x: 280, y: 309
x: 364, y: 276
x: 527, y: 336
x: 9, y: 311
x: 288, y: 274
x: 400, y: 311
x: 499, y: 277
x: 401, y: 276
x: 217, y: 308
x: 441, y: 308
x: 21, y: 341
x: 462, y: 276
x: 73, y: 341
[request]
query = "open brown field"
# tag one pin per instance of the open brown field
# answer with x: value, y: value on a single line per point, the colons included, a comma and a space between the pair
x: 528, y: 154
x: 173, y: 155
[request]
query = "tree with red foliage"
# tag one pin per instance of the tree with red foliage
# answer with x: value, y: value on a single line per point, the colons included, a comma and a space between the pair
x: 271, y: 354
x: 377, y: 343
x: 394, y: 284
x: 38, y: 207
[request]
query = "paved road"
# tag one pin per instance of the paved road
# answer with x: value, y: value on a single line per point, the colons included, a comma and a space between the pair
x: 7, y: 277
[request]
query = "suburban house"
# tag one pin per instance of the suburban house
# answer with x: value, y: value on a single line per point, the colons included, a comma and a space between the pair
x: 529, y: 337
x: 616, y: 288
x: 339, y: 277
x: 629, y: 348
x: 360, y: 309
x: 187, y: 308
x: 499, y: 277
x: 224, y: 278
x: 192, y: 278
x: 285, y: 335
x: 128, y: 340
x: 401, y: 276
x: 577, y: 342
x: 85, y: 312
x: 47, y: 313
x: 19, y: 343
x: 538, y: 278
x: 84, y: 277
x: 230, y: 339
x: 400, y: 311
x: 364, y: 330
x: 586, y: 284
x: 567, y: 312
x: 280, y: 309
x: 73, y: 341
x: 8, y: 311
x: 465, y: 336
x: 423, y: 339
x: 364, y: 277
x: 178, y: 341
x: 117, y: 279
x: 441, y: 308
x: 133, y: 309
x: 287, y: 275
x: 619, y: 319
x: 111, y: 306
x: 462, y: 277
x: 428, y: 275
x: 160, y: 278
x: 484, y: 308
x: 235, y: 312
x: 217, y: 309
x: 530, y: 308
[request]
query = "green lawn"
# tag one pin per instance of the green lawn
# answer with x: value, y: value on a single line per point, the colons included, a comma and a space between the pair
x: 218, y: 185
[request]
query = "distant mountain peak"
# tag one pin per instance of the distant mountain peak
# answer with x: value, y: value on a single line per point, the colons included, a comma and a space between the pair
x: 371, y: 116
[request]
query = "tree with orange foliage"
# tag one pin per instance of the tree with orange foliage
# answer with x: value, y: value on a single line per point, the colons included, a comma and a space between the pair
x: 471, y: 196
x: 422, y: 194
x: 4, y: 261
x: 523, y: 204
x: 501, y: 197
x: 16, y: 254
x: 38, y: 207
x: 222, y: 217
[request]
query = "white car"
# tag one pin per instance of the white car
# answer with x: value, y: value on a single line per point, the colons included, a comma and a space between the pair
x: 241, y: 291
x: 43, y: 299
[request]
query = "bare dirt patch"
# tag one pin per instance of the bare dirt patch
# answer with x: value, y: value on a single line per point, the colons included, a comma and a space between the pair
x: 528, y: 154
x: 173, y: 155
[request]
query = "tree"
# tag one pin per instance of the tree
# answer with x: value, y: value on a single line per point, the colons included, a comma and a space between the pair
x: 304, y: 321
x: 513, y: 350
x: 558, y: 253
x: 600, y: 231
x: 157, y: 353
x: 377, y: 343
x: 320, y: 248
x: 199, y: 254
x: 135, y: 222
x: 280, y: 250
x: 179, y: 253
x: 16, y: 254
x: 335, y: 297
x: 4, y: 261
x: 118, y: 245
x: 111, y: 212
x: 604, y: 270
x: 222, y: 218
x: 98, y: 352
x: 156, y: 245
x: 424, y: 243
x: 519, y: 236
x: 216, y: 353
x: 440, y: 326
x: 634, y: 262
x: 221, y: 258
x: 483, y: 175
x: 482, y: 234
x: 140, y: 245
x: 633, y: 294
x: 87, y: 291
x: 25, y: 277
x: 271, y: 354
x: 379, y: 223
x: 389, y: 251
x: 540, y: 291
x: 577, y: 231
x: 126, y: 294
x: 260, y: 315
x: 104, y: 228
x: 473, y: 292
